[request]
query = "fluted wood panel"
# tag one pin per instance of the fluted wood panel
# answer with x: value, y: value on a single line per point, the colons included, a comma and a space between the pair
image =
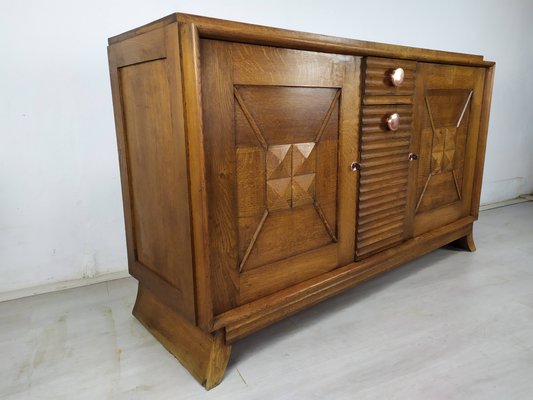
x: 383, y: 189
x: 378, y: 85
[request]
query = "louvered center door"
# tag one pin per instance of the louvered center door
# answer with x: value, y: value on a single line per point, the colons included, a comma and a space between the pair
x: 280, y: 131
x: 383, y: 216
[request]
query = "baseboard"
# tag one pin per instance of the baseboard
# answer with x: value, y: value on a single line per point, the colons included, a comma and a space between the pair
x: 520, y: 199
x: 57, y: 286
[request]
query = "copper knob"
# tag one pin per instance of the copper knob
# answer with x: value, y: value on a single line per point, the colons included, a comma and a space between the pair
x: 393, y: 121
x: 397, y: 76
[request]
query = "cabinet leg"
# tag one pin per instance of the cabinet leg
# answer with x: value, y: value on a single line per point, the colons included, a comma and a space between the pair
x: 465, y: 243
x: 204, y: 355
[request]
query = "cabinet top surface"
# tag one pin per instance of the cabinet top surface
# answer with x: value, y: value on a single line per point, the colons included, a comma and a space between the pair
x: 256, y: 34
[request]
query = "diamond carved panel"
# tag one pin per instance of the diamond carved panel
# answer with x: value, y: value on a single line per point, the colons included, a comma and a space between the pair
x: 279, y: 162
x: 443, y: 150
x: 303, y: 189
x: 290, y: 172
x: 279, y: 194
x: 446, y: 111
x: 282, y: 148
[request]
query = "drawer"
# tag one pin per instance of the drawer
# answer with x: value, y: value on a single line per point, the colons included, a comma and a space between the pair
x: 379, y: 85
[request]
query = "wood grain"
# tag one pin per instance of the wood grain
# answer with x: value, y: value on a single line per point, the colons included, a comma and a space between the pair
x: 259, y: 175
x: 261, y: 35
x: 145, y: 47
x: 482, y: 145
x: 154, y: 151
x: 204, y: 355
x: 274, y: 181
x: 287, y: 272
x: 369, y: 100
x: 253, y: 316
x: 308, y: 68
x: 255, y: 129
x: 192, y: 111
x: 378, y: 83
x: 448, y: 110
x: 383, y: 188
x: 218, y: 127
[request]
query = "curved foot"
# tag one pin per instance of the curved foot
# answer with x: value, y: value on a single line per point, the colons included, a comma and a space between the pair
x: 204, y: 355
x: 465, y: 243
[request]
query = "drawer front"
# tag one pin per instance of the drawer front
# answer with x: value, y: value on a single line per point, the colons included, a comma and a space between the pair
x: 383, y: 184
x: 388, y: 81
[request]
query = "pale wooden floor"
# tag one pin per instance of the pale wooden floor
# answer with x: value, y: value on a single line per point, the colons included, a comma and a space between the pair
x: 451, y: 325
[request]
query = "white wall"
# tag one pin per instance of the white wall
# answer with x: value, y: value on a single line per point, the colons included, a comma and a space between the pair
x: 60, y: 202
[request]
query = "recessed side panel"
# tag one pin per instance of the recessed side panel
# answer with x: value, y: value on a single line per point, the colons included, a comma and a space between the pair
x: 157, y: 178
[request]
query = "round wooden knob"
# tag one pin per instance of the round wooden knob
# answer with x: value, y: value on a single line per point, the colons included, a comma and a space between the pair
x: 397, y: 76
x: 393, y: 121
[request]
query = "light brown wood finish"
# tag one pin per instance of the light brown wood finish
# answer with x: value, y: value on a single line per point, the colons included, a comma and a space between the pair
x: 150, y: 120
x: 220, y: 173
x: 274, y: 132
x: 189, y: 47
x: 204, y: 355
x: 383, y: 188
x: 253, y: 316
x: 482, y: 145
x: 155, y: 182
x: 448, y: 109
x: 255, y: 34
x: 259, y: 177
x: 377, y: 77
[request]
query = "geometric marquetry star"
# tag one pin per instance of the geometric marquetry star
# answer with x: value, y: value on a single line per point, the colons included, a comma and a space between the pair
x: 445, y: 120
x: 290, y: 173
x: 279, y: 162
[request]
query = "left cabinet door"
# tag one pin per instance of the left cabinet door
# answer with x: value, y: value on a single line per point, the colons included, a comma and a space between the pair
x: 280, y: 132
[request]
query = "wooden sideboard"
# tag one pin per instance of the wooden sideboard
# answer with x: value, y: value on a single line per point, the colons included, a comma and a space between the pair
x: 265, y: 170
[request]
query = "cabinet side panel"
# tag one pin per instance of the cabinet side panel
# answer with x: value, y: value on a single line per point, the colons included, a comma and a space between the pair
x: 482, y: 144
x: 154, y: 175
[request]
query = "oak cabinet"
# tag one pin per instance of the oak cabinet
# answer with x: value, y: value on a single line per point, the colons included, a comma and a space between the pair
x: 265, y: 170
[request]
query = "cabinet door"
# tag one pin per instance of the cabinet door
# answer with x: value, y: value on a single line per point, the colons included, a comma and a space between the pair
x: 279, y: 133
x: 447, y: 116
x: 382, y: 217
